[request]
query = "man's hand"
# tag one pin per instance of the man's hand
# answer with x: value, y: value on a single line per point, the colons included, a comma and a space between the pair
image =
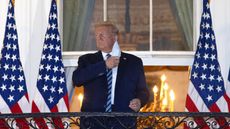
x: 112, y: 62
x: 135, y: 104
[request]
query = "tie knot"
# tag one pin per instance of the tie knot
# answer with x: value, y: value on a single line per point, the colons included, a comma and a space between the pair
x: 108, y: 55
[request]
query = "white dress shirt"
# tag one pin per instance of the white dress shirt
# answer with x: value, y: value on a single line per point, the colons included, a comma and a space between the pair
x: 114, y: 77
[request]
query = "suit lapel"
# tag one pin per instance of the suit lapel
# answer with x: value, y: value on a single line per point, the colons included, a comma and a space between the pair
x: 98, y: 56
x: 121, y: 69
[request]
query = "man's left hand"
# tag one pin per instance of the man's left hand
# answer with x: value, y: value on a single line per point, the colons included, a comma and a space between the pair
x: 135, y: 104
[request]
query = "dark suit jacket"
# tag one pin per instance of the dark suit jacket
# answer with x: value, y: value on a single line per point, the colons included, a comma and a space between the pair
x: 130, y: 83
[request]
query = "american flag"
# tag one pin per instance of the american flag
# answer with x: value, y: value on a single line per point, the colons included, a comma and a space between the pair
x: 51, y: 95
x: 14, y: 97
x: 206, y: 91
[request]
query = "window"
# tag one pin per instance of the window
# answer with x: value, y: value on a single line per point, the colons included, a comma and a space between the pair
x: 160, y: 32
x: 146, y: 25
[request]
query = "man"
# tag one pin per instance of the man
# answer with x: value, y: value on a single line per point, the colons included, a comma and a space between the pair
x: 128, y: 90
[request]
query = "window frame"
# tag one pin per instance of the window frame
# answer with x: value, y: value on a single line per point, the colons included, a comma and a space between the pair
x: 149, y: 58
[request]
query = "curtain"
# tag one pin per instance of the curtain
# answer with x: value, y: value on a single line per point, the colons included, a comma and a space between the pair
x: 77, y: 17
x: 183, y: 12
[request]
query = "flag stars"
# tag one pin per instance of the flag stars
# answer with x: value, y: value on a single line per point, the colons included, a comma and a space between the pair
x: 47, y: 37
x: 3, y: 87
x: 206, y: 46
x: 55, y: 69
x: 8, y: 36
x: 52, y: 89
x: 219, y: 89
x: 11, y: 88
x: 213, y: 37
x: 211, y: 78
x: 219, y: 78
x: 20, y: 68
x: 14, y: 47
x: 62, y: 70
x: 4, y: 77
x: 61, y: 80
x: 57, y: 48
x: 9, y: 26
x: 51, y: 47
x: 47, y: 77
x: 198, y: 55
x: 206, y: 56
x: 7, y: 56
x: 48, y: 67
x: 12, y: 78
x: 13, y: 68
x: 60, y: 90
x: 207, y: 35
x: 51, y: 99
x: 56, y: 58
x: 11, y: 98
x: 6, y: 67
x: 196, y: 65
x: 207, y: 26
x: 212, y: 47
x: 58, y: 38
x: 8, y: 46
x: 20, y: 88
x: 213, y: 57
x: 194, y: 75
x: 209, y: 98
x: 45, y: 88
x: 39, y: 77
x: 212, y: 67
x: 43, y: 57
x: 54, y: 79
x: 201, y: 86
x: 41, y: 67
x: 9, y: 15
x: 14, y: 57
x: 14, y: 37
x: 52, y: 36
x: 21, y: 78
x: 53, y: 26
x: 204, y: 66
x: 210, y: 88
x: 49, y: 57
x: 203, y: 76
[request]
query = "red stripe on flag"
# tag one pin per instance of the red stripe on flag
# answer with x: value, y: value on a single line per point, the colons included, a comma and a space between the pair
x: 3, y: 124
x: 190, y: 105
x: 66, y: 99
x: 228, y: 101
x: 192, y: 108
x: 220, y: 120
x: 22, y: 123
x: 39, y: 121
x: 57, y: 120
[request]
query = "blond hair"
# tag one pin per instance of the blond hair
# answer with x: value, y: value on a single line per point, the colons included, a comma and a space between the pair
x: 109, y: 25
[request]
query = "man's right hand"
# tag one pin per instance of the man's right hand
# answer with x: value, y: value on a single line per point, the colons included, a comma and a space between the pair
x: 112, y: 62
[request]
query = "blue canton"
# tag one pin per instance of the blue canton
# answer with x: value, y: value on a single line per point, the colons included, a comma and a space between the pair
x: 206, y: 74
x: 12, y: 79
x: 51, y: 81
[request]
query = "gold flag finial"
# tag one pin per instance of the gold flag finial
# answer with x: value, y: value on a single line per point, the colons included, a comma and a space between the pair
x: 13, y: 2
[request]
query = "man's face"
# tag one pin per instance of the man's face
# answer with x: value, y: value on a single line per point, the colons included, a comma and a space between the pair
x: 104, y: 38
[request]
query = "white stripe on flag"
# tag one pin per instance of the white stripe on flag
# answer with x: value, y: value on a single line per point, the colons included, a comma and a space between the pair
x: 62, y: 106
x: 197, y: 100
x: 4, y: 108
x: 223, y: 104
x: 24, y: 105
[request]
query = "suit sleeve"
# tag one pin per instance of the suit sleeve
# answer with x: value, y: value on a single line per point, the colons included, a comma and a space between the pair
x: 142, y: 90
x: 87, y: 71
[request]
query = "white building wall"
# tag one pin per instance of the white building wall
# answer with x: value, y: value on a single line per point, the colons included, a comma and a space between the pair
x: 32, y: 19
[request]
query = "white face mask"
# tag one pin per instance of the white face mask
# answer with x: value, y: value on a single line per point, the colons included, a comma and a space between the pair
x: 116, y: 51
